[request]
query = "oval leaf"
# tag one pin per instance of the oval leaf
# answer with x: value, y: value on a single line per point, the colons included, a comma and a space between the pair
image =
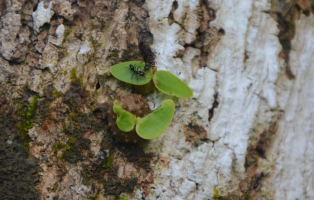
x: 122, y: 72
x: 170, y: 84
x: 153, y: 125
x: 125, y: 120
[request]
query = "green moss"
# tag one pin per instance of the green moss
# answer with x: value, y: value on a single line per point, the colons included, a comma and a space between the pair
x: 110, y: 161
x: 78, y: 80
x: 27, y: 115
x: 72, y: 140
x: 246, y: 196
x: 26, y: 145
x: 103, y: 25
x: 95, y: 43
x: 68, y: 31
x: 217, y: 194
x: 55, y: 148
x: 124, y: 198
x: 64, y: 154
x: 72, y: 152
x: 73, y: 117
x: 64, y: 128
x: 176, y: 22
x: 56, y: 93
x: 113, y: 55
x: 60, y: 146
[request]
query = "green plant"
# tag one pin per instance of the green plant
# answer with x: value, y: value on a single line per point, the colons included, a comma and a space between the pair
x: 27, y: 116
x: 122, y: 72
x: 60, y: 146
x: 125, y: 120
x: 124, y: 197
x: 163, y: 80
x: 149, y: 127
x: 109, y: 162
x: 170, y: 84
x: 154, y: 124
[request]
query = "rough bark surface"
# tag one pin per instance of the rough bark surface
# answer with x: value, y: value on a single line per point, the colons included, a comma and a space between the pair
x: 247, y: 133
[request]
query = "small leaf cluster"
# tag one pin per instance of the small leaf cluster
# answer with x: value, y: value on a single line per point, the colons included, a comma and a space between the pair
x: 149, y: 127
x: 152, y: 125
x: 163, y: 80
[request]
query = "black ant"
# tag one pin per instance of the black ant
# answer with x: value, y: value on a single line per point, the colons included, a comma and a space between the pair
x: 147, y: 55
x: 258, y: 180
x: 150, y: 64
x: 136, y: 72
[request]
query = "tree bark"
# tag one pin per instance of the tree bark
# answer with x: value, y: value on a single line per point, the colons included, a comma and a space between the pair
x: 247, y: 133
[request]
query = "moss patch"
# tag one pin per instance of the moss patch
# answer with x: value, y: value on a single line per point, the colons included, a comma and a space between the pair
x: 16, y: 179
x: 108, y: 165
x: 76, y: 79
x: 27, y: 113
x: 60, y: 146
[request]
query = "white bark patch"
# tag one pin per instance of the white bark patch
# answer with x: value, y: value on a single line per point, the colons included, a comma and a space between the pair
x: 85, y: 48
x: 243, y: 87
x: 294, y: 144
x: 60, y: 31
x: 42, y: 16
x: 60, y: 36
x: 73, y: 188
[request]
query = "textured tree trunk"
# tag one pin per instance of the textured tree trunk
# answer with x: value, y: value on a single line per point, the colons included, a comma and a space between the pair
x: 247, y: 133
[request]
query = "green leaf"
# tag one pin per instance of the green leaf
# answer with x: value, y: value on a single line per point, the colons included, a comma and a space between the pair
x: 125, y: 120
x: 170, y: 84
x: 122, y: 72
x: 153, y: 125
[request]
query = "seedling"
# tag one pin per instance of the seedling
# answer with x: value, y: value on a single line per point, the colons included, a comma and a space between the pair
x: 154, y: 124
x: 149, y: 127
x: 163, y: 80
x: 124, y: 73
x: 170, y: 84
x: 125, y: 120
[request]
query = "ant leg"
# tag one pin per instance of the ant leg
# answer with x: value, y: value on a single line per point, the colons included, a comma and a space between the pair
x: 132, y: 77
x: 129, y: 69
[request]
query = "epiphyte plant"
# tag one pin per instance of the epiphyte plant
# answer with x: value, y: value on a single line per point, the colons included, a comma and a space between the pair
x: 125, y: 119
x: 148, y: 127
x: 163, y: 80
x: 124, y: 72
x: 154, y: 124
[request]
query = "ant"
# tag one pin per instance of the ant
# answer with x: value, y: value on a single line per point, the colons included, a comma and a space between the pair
x: 147, y: 55
x: 136, y: 72
x: 147, y: 66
